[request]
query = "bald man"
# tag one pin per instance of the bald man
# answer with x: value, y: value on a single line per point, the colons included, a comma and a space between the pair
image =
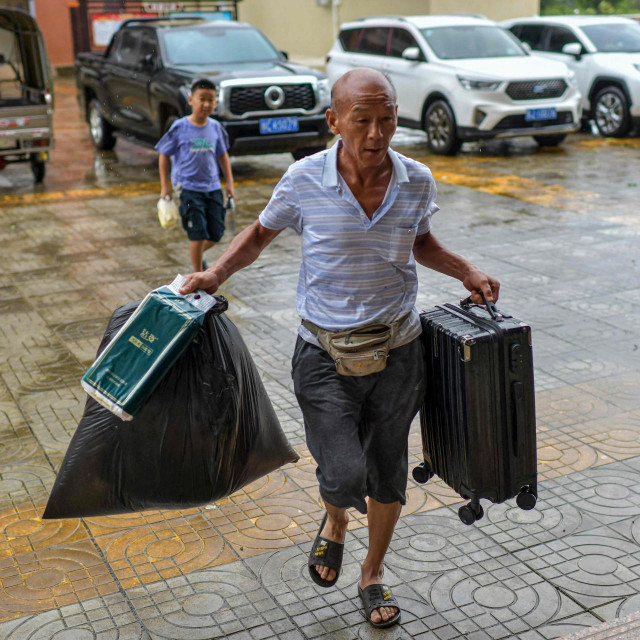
x: 364, y: 216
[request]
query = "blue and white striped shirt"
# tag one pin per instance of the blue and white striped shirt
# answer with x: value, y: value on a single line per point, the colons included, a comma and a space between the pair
x: 354, y: 271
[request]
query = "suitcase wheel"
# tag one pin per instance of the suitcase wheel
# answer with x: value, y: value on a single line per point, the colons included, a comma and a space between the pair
x: 526, y: 500
x: 471, y: 512
x: 422, y: 473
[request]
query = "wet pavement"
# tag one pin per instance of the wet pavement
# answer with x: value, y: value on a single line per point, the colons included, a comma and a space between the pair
x: 559, y: 227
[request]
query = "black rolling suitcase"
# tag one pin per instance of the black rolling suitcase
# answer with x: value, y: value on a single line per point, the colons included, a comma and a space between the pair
x: 478, y: 416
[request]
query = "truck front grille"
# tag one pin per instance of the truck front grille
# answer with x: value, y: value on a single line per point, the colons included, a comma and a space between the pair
x: 536, y: 89
x: 249, y: 99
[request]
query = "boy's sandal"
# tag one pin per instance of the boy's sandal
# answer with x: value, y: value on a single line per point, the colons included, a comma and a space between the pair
x: 325, y: 553
x: 375, y: 596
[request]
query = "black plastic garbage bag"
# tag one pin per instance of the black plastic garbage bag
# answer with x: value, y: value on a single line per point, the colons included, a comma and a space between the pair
x: 206, y: 430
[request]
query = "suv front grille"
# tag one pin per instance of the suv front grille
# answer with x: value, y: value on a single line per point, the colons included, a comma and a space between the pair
x: 536, y: 89
x: 519, y: 122
x: 245, y: 99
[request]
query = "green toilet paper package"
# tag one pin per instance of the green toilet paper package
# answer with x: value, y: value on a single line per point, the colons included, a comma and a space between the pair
x: 144, y: 349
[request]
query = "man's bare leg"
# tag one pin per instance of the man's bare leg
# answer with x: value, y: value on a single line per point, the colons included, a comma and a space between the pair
x: 335, y: 530
x: 382, y: 520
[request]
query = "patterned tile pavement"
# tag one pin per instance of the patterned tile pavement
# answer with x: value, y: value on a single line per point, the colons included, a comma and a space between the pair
x: 237, y: 568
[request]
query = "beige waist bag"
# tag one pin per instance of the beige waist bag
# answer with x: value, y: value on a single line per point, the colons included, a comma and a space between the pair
x: 357, y: 352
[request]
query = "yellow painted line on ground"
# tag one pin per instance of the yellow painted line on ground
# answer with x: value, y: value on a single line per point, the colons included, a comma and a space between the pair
x: 121, y: 191
x: 128, y: 190
x: 631, y: 143
x: 454, y: 171
x: 458, y: 172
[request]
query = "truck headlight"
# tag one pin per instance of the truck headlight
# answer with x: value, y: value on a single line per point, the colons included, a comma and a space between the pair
x: 324, y: 92
x: 473, y: 84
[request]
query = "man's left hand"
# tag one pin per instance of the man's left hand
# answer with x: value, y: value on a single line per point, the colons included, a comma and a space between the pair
x: 477, y: 281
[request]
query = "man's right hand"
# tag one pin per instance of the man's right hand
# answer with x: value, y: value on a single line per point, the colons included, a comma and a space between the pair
x: 165, y: 192
x: 206, y: 280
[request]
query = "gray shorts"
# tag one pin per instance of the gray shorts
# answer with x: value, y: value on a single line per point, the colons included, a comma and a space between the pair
x: 357, y: 428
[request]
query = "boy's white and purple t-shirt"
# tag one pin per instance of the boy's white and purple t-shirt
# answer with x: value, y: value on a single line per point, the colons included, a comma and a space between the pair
x: 195, y: 151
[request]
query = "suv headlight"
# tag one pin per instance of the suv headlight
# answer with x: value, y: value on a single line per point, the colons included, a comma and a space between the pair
x: 571, y: 79
x: 324, y: 92
x: 473, y: 84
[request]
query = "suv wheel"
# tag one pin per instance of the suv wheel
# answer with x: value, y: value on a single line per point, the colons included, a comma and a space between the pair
x: 550, y: 141
x: 440, y: 126
x: 611, y: 112
x: 100, y: 130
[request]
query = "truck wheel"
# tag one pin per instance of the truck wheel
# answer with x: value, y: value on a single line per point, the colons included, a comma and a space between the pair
x: 100, y: 130
x: 38, y: 168
x: 298, y: 154
x: 440, y: 126
x: 611, y: 112
x: 550, y: 141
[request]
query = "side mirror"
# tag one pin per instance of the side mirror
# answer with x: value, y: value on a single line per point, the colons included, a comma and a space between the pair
x: 285, y: 55
x: 411, y: 53
x: 148, y: 62
x: 573, y: 49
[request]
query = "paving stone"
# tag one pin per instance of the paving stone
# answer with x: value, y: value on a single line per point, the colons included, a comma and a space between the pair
x: 62, y: 624
x: 237, y: 568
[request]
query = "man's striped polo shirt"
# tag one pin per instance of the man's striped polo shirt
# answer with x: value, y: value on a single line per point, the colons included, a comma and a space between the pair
x: 354, y: 271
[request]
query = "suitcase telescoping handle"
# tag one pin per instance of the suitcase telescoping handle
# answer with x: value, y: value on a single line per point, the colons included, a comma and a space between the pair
x: 491, y: 308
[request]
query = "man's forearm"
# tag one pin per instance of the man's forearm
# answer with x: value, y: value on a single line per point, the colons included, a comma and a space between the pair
x: 430, y: 253
x: 243, y: 250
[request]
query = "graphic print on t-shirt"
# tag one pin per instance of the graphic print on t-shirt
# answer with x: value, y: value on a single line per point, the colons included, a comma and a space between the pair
x: 201, y: 144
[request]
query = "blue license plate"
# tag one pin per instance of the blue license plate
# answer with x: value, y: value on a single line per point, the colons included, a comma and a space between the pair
x: 548, y: 113
x: 279, y: 125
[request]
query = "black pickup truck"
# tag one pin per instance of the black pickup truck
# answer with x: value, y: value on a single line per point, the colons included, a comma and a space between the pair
x: 139, y: 86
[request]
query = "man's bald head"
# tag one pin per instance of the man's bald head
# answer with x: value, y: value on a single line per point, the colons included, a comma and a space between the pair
x: 355, y: 81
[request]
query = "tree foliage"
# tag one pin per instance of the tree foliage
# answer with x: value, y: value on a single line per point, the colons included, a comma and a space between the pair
x: 588, y: 7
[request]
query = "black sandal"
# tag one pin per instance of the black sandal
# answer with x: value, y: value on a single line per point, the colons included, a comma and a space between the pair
x: 375, y: 596
x: 325, y: 553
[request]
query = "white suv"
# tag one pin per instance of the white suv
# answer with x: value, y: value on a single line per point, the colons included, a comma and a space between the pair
x: 461, y: 78
x: 604, y: 53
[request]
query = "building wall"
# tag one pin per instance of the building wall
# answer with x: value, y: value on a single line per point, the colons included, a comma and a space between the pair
x: 303, y: 28
x: 55, y: 24
x: 306, y: 28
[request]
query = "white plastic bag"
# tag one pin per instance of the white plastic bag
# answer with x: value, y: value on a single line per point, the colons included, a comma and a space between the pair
x: 167, y: 212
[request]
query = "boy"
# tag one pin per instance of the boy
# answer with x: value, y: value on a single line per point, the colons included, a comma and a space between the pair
x: 196, y: 144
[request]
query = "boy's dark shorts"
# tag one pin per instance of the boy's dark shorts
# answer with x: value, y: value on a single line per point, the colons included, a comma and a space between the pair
x: 202, y: 214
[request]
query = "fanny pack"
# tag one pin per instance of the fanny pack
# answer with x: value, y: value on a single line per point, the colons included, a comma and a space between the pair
x: 358, y: 352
